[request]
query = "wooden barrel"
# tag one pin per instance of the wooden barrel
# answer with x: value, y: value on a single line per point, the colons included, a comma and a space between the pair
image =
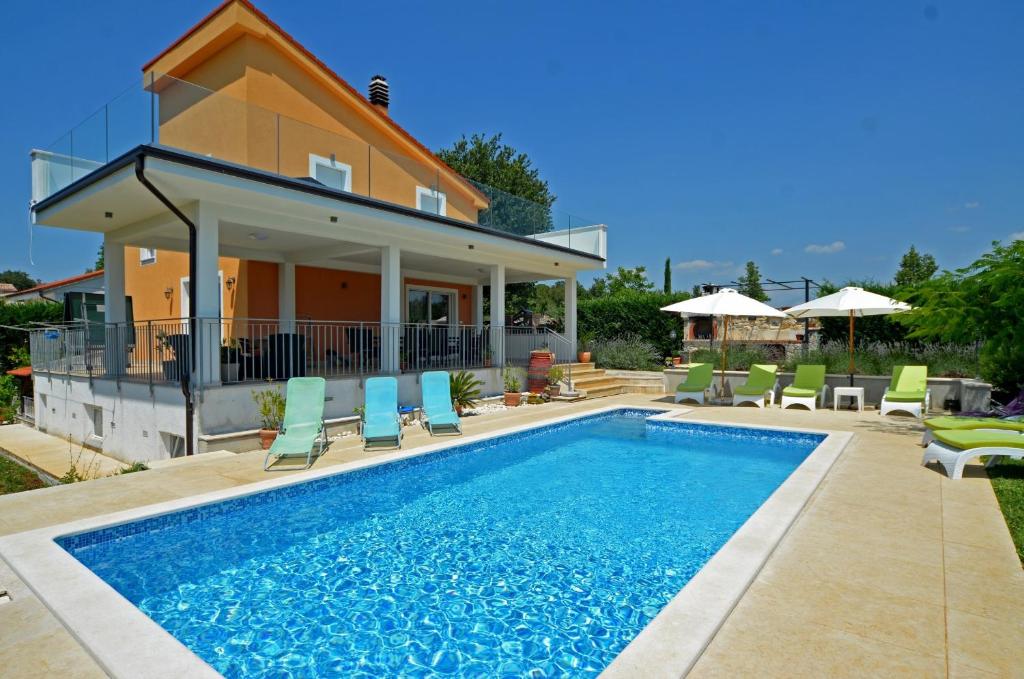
x: 537, y: 373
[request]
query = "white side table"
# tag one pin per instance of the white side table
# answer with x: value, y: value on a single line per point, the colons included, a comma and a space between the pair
x: 852, y: 392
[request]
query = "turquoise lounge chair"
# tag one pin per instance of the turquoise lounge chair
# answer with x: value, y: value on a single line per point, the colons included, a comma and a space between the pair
x: 698, y: 381
x: 908, y: 391
x: 435, y: 388
x: 303, y: 425
x: 760, y: 386
x: 808, y: 388
x: 381, y: 425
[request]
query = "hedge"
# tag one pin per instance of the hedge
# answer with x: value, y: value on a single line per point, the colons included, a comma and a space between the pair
x: 633, y: 313
x: 23, y: 315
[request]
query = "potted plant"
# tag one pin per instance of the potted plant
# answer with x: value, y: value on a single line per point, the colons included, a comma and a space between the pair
x: 555, y: 374
x: 677, y: 359
x: 583, y: 342
x: 510, y: 376
x: 230, y: 357
x: 270, y: 404
x: 465, y: 389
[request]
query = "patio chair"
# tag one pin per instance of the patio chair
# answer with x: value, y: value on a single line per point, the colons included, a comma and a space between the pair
x: 438, y: 413
x: 908, y: 391
x: 698, y: 381
x: 303, y: 425
x: 381, y: 424
x: 808, y: 388
x: 759, y: 388
x: 1014, y: 423
x: 953, y: 448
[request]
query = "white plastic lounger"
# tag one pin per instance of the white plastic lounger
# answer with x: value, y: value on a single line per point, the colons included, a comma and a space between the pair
x: 953, y: 449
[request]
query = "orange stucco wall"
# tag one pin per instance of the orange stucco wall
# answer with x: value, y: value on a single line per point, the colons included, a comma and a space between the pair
x: 147, y: 284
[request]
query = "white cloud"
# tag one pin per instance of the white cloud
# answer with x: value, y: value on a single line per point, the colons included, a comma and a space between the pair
x: 831, y: 248
x: 776, y: 252
x: 1017, y: 236
x: 702, y: 265
x: 972, y: 204
x: 958, y: 229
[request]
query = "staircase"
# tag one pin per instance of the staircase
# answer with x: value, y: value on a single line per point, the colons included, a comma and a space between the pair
x: 594, y: 382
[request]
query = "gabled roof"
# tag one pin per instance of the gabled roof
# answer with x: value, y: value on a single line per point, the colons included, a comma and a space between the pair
x: 369, y: 109
x: 43, y: 287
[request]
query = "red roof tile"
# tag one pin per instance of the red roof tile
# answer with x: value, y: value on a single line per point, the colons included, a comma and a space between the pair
x: 65, y: 281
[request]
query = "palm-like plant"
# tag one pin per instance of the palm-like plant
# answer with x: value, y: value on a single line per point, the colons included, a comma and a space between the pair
x: 465, y: 389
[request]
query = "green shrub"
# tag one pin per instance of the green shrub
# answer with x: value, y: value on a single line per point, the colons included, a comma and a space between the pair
x: 270, y: 404
x: 628, y: 352
x: 132, y: 468
x: 631, y: 312
x: 464, y: 388
x: 22, y: 315
x: 879, y: 358
x: 9, y: 393
x: 741, y: 356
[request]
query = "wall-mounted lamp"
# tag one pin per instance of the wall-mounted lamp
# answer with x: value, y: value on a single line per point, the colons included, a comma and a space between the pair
x: 230, y: 282
x: 168, y: 292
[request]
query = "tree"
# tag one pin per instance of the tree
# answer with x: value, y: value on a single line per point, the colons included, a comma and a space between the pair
x: 19, y: 279
x: 667, y: 287
x: 915, y: 268
x: 750, y: 283
x: 520, y: 201
x: 695, y: 291
x: 99, y: 265
x: 982, y: 302
x: 624, y: 279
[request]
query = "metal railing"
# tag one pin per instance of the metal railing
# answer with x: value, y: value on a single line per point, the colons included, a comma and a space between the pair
x: 237, y: 350
x: 520, y: 341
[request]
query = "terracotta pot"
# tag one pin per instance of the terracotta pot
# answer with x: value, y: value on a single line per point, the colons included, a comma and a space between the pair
x: 583, y: 357
x: 267, y: 437
x: 537, y: 372
x: 554, y: 389
x: 458, y: 410
x: 677, y: 360
x: 512, y: 398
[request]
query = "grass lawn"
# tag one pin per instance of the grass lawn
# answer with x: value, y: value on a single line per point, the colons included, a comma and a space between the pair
x: 1008, y: 482
x: 14, y: 478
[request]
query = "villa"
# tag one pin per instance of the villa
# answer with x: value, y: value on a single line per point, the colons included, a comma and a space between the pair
x: 263, y: 219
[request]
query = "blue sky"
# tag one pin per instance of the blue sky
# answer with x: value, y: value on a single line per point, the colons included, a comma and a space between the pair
x: 815, y: 138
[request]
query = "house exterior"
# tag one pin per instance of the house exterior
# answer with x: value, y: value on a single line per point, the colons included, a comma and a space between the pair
x: 266, y: 220
x: 90, y: 283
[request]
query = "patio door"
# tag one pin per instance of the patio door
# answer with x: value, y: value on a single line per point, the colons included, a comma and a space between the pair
x: 430, y: 307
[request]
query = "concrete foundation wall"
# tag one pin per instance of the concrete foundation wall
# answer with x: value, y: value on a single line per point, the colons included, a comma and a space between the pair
x: 137, y: 424
x: 973, y: 395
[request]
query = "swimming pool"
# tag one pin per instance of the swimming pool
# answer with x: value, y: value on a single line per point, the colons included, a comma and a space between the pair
x: 542, y: 552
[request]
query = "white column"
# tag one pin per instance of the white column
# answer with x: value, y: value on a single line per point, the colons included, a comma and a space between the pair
x: 478, y: 307
x: 570, y: 315
x: 286, y: 296
x: 390, y: 307
x: 115, y: 311
x: 498, y: 314
x: 113, y: 281
x: 206, y: 295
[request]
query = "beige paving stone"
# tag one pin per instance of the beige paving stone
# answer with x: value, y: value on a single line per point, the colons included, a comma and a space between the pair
x: 986, y: 644
x: 857, y: 588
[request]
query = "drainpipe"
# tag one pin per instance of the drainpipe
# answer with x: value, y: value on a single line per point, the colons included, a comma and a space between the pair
x: 186, y: 375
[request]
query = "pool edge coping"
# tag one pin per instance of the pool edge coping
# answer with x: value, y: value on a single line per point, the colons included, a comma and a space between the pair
x: 672, y: 643
x: 125, y: 642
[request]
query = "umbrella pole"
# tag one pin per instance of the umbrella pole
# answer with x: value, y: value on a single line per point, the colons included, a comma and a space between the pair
x: 851, y: 347
x: 725, y: 352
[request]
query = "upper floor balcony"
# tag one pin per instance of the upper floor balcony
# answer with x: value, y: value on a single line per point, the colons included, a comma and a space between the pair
x: 217, y: 127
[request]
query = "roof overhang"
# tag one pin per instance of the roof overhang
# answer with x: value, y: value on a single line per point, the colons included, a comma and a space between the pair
x: 111, y: 200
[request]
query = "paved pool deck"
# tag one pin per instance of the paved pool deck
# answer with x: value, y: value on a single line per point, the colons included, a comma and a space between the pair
x: 891, y: 569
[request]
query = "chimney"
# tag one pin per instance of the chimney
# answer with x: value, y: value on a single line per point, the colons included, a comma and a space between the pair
x: 379, y: 93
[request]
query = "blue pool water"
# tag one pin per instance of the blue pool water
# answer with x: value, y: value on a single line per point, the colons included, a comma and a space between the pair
x: 538, y: 554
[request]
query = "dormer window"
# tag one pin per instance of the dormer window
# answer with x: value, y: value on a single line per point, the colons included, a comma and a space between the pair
x: 431, y: 200
x: 330, y: 173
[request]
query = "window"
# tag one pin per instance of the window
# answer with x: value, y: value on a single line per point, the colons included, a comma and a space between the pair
x: 431, y: 200
x: 147, y: 255
x: 330, y: 172
x: 95, y: 414
x: 431, y: 307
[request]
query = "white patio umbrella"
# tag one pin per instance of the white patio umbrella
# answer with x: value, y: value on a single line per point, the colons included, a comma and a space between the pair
x: 725, y: 303
x: 849, y: 302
